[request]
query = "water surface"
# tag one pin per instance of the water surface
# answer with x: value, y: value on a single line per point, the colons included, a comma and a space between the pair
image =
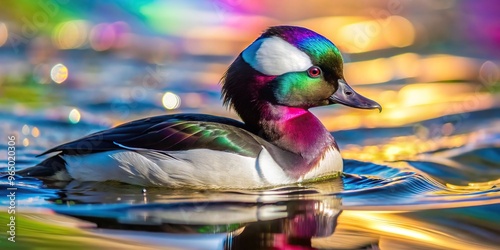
x: 447, y: 197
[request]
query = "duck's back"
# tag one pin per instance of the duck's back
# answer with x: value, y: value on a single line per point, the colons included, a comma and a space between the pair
x: 171, y: 150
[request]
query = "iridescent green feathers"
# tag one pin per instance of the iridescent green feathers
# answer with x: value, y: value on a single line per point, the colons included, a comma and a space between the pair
x: 169, y: 133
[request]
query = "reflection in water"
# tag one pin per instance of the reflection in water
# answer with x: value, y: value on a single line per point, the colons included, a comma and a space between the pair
x: 305, y: 220
x: 432, y: 229
x: 282, y: 218
x: 272, y: 219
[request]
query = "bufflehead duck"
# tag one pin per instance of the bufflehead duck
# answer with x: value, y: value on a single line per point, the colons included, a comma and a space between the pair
x: 272, y: 85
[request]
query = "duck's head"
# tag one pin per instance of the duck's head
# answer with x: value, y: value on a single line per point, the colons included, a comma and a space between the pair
x: 292, y: 67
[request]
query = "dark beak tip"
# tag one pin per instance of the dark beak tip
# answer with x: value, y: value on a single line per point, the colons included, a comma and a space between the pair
x: 375, y: 107
x: 345, y: 95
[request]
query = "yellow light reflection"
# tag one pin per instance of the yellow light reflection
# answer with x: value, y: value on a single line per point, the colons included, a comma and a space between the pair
x: 348, y: 122
x: 382, y: 69
x: 446, y: 67
x: 411, y: 104
x: 360, y: 37
x: 403, y: 232
x: 369, y: 35
x: 418, y: 94
x: 74, y: 116
x: 474, y: 186
x: 171, y: 100
x: 405, y: 65
x: 392, y: 151
x: 71, y: 35
x: 59, y: 73
x: 431, y: 93
x: 399, y: 32
x: 389, y: 98
x: 398, y: 148
x: 35, y: 132
x: 26, y: 142
x: 367, y: 72
x: 4, y: 34
x: 393, y: 230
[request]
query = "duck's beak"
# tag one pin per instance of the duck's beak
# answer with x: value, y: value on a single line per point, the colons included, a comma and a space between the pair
x: 347, y: 96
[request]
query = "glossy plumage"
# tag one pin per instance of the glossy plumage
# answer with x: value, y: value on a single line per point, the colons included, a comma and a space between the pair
x: 170, y: 133
x: 271, y: 85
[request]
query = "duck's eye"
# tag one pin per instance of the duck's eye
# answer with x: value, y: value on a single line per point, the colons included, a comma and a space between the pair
x: 314, y: 71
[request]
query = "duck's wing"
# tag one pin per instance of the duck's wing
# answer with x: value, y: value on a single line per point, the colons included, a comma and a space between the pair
x: 170, y: 133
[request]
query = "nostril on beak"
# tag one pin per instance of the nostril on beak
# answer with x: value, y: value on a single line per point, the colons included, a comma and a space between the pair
x: 348, y: 93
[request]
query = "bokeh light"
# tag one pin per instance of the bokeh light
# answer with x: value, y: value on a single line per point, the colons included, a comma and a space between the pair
x: 59, y: 73
x: 399, y: 32
x: 489, y: 73
x: 74, y: 116
x: 35, y: 132
x: 25, y: 129
x: 71, y: 35
x: 4, y: 34
x: 102, y: 37
x: 105, y: 36
x: 171, y: 100
x: 369, y: 35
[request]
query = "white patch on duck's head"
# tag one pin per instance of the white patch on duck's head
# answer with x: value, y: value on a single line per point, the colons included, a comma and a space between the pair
x: 275, y: 56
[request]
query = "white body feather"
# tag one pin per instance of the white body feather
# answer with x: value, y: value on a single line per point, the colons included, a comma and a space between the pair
x: 198, y: 168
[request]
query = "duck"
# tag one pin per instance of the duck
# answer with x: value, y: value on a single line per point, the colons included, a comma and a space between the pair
x: 272, y: 85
